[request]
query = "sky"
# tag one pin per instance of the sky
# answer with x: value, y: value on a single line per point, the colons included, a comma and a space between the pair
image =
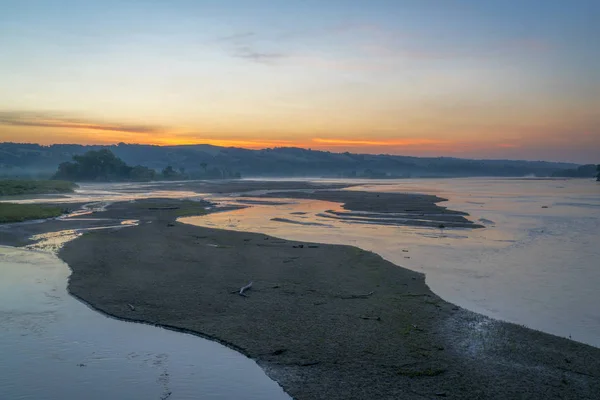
x: 516, y: 79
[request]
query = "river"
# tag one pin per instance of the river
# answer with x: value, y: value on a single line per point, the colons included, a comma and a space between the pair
x: 55, y: 347
x: 536, y: 262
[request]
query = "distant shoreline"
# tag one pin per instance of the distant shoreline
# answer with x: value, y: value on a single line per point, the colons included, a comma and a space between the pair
x: 280, y: 161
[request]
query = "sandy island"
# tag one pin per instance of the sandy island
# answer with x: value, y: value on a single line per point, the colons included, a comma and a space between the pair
x: 324, y: 321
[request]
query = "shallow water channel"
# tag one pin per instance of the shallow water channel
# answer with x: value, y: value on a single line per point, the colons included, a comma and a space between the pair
x: 535, y: 263
x: 55, y: 347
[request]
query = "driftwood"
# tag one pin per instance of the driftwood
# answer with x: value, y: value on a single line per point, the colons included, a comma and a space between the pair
x: 243, y: 289
x: 370, y: 318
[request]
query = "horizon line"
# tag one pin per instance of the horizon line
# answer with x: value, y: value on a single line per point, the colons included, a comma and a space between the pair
x: 294, y: 147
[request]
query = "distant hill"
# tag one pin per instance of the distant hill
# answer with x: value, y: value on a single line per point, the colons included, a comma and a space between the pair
x: 21, y: 159
x: 584, y: 171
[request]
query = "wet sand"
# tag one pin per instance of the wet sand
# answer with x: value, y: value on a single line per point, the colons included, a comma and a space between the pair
x: 384, y: 208
x: 237, y: 186
x: 326, y: 322
x: 19, y: 233
x: 100, y: 215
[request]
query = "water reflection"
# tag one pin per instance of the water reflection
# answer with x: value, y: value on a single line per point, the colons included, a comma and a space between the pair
x: 535, y: 263
x: 54, y: 347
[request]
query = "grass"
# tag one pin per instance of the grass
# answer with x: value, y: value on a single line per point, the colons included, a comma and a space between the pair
x: 11, y: 212
x: 191, y: 211
x: 18, y: 187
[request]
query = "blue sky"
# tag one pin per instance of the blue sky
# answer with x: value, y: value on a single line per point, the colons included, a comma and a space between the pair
x: 490, y: 79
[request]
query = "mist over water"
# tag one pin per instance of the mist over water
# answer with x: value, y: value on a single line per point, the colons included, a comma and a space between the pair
x: 535, y: 263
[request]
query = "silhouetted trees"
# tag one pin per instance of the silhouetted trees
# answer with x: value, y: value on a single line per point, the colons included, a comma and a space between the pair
x: 103, y: 166
x: 584, y: 171
x: 200, y: 161
x: 140, y: 173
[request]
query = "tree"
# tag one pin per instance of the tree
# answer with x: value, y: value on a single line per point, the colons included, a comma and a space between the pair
x: 169, y: 172
x: 141, y: 173
x: 598, y: 176
x: 101, y: 165
x: 583, y: 171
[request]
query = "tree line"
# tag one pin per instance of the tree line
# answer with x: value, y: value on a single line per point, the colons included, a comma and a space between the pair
x: 103, y: 166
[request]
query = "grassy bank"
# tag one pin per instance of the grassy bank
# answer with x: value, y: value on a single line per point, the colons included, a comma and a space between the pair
x: 18, y: 187
x: 11, y: 212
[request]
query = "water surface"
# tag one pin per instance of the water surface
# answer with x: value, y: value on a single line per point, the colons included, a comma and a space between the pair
x: 55, y: 347
x: 535, y: 263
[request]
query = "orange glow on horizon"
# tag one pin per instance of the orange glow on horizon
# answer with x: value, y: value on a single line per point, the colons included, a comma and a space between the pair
x: 469, y: 141
x: 366, y: 142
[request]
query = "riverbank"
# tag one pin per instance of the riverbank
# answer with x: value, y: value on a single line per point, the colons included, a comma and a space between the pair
x: 380, y: 208
x: 11, y: 212
x: 85, y: 216
x: 24, y: 187
x: 324, y: 321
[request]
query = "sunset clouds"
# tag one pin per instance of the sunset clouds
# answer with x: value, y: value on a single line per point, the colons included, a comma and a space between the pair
x: 406, y: 77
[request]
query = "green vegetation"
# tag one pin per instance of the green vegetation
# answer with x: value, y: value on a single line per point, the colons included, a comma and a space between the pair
x: 212, y: 162
x: 103, y: 166
x: 191, y: 211
x: 11, y: 212
x: 13, y: 187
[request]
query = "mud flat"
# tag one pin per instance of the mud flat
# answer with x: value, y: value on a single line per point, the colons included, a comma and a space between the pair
x: 90, y: 215
x: 325, y: 321
x: 384, y: 208
x: 237, y: 186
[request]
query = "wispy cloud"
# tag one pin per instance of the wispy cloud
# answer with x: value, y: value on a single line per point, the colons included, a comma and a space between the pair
x: 237, y: 37
x: 48, y: 120
x: 224, y: 142
x: 250, y: 54
x: 244, y: 45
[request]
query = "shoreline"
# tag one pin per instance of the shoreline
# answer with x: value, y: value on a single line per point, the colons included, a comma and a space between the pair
x: 310, y: 320
x: 313, y: 325
x: 400, y: 209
